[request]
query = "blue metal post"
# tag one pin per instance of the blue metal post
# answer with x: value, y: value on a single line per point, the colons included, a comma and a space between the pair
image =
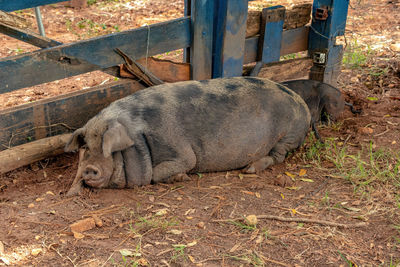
x: 229, y: 37
x: 328, y: 22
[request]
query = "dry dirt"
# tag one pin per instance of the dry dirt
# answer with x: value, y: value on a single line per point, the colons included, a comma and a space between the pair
x: 354, y: 178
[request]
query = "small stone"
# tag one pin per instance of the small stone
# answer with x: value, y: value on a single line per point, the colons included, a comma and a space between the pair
x: 251, y: 219
x: 97, y: 221
x: 365, y: 130
x: 78, y: 235
x: 200, y: 225
x: 394, y: 142
x: 36, y: 251
x: 31, y: 205
x: 83, y: 225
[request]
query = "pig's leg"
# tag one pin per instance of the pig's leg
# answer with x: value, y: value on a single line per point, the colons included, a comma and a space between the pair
x: 118, y: 179
x: 175, y: 169
x: 77, y: 184
x: 275, y: 156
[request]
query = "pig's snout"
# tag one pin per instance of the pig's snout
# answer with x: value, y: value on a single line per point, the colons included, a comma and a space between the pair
x: 92, y: 176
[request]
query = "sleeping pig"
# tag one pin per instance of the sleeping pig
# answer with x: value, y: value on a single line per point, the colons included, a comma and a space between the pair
x: 163, y: 132
x: 323, y: 100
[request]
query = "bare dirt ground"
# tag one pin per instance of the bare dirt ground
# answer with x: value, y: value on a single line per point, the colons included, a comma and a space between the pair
x: 352, y: 179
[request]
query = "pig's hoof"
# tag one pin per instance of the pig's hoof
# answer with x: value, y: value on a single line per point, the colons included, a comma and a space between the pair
x: 75, y: 189
x: 250, y: 170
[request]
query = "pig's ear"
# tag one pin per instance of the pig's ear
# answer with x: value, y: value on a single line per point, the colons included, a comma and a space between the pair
x: 115, y: 138
x: 75, y: 141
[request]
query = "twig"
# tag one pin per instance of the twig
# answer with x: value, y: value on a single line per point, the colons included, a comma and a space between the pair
x: 165, y: 251
x: 382, y: 133
x: 60, y: 202
x: 304, y: 220
x: 269, y: 260
x: 107, y: 259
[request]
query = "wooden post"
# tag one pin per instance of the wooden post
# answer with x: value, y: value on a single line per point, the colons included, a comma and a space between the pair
x: 202, y: 36
x: 328, y: 22
x: 229, y: 37
x: 272, y: 19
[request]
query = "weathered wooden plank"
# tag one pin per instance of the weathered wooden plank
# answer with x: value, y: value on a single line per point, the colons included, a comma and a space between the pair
x: 329, y: 21
x: 295, y: 17
x: 202, y: 31
x: 25, y: 154
x: 59, y: 114
x: 88, y: 55
x: 8, y: 5
x: 286, y: 70
x: 269, y: 43
x: 293, y: 41
x: 229, y: 37
x: 28, y: 36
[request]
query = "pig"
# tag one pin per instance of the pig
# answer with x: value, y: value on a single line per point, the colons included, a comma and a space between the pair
x: 163, y: 132
x: 322, y: 99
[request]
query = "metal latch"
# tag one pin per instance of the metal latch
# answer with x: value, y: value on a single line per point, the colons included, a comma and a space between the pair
x: 319, y: 58
x: 321, y: 13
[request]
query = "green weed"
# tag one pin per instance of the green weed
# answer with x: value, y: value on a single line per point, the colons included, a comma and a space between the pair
x: 356, y: 56
x: 243, y: 227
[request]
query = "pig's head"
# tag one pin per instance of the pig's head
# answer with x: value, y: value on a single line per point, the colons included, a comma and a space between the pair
x: 98, y: 140
x: 332, y: 102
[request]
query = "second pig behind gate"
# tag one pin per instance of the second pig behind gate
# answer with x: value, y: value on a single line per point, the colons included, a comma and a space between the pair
x: 161, y: 132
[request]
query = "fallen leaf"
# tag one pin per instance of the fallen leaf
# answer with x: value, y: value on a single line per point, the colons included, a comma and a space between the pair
x: 161, y: 212
x: 240, y: 176
x: 258, y: 195
x: 49, y: 193
x: 372, y: 98
x: 234, y: 248
x: 175, y: 232
x: 31, y: 205
x: 302, y: 172
x: 151, y: 198
x: 307, y: 180
x: 283, y: 197
x: 191, y: 244
x: 1, y: 248
x: 189, y: 211
x: 142, y: 262
x: 191, y: 259
x: 126, y: 252
x: 215, y: 187
x: 352, y: 209
x: 293, y: 187
x: 294, y: 211
x: 36, y: 251
x: 290, y: 175
x: 247, y: 192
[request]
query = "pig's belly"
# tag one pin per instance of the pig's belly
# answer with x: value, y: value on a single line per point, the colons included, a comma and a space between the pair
x: 233, y: 152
